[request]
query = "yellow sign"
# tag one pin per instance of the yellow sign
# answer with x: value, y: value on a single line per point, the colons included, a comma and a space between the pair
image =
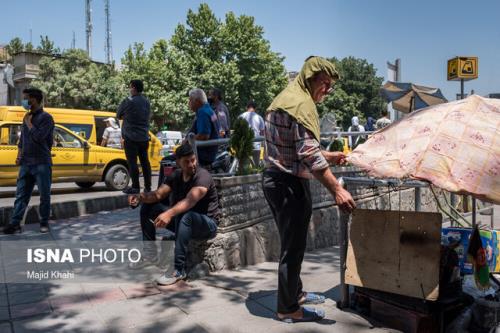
x: 465, y: 68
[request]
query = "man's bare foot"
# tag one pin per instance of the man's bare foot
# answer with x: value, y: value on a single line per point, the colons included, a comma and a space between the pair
x: 302, y: 299
x: 299, y: 314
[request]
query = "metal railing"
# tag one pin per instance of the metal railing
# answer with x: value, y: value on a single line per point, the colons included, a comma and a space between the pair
x: 351, y: 180
x: 234, y: 165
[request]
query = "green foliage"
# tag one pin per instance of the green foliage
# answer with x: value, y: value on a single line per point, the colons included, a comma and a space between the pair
x: 206, y: 52
x: 74, y: 81
x: 29, y: 47
x: 336, y: 145
x: 356, y: 93
x: 15, y: 46
x: 242, y: 143
x: 47, y: 46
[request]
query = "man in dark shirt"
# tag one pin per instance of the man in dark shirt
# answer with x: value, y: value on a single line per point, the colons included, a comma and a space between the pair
x: 135, y: 112
x: 193, y: 214
x: 221, y: 111
x: 205, y: 126
x: 35, y: 161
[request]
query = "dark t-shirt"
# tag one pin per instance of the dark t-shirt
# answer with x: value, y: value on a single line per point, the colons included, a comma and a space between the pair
x: 208, y: 205
x: 135, y: 112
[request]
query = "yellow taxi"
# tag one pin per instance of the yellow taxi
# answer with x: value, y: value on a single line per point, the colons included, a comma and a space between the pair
x: 76, y: 155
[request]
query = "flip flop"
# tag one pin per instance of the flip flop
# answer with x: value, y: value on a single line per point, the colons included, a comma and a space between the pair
x: 312, y: 298
x: 309, y: 315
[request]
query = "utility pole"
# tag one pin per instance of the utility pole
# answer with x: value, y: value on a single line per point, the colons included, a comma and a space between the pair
x: 73, y: 41
x: 107, y: 47
x: 88, y: 26
x: 394, y: 74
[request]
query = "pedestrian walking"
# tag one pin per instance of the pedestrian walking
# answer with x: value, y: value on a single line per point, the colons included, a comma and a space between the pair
x: 293, y: 156
x: 34, y: 160
x: 135, y: 111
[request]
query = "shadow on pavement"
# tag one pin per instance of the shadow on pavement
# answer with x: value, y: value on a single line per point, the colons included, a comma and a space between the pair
x: 267, y: 299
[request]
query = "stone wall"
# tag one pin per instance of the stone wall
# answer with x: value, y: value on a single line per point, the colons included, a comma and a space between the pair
x: 248, y: 234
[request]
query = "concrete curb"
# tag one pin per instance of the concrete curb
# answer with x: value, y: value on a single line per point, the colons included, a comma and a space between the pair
x: 67, y: 209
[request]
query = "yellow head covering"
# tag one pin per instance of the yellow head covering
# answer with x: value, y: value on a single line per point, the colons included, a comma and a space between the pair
x: 296, y: 99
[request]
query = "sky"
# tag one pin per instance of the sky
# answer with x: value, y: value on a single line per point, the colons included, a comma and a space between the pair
x: 424, y: 34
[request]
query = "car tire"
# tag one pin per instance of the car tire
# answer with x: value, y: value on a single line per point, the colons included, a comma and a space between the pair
x: 85, y: 184
x: 117, y: 177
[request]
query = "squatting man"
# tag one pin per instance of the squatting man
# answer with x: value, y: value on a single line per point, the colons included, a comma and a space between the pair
x: 193, y: 212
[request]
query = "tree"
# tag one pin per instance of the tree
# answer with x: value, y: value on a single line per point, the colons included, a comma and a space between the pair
x: 356, y: 93
x: 47, y: 46
x: 203, y: 53
x: 74, y: 81
x: 29, y: 47
x: 15, y: 46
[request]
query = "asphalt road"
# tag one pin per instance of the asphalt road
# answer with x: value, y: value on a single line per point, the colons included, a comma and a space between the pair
x: 65, y: 192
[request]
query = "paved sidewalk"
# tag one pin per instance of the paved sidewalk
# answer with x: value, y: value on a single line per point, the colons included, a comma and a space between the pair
x: 229, y: 301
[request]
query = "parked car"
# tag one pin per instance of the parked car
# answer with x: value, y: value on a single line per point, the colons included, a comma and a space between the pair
x: 169, y: 140
x: 74, y: 163
x: 73, y: 159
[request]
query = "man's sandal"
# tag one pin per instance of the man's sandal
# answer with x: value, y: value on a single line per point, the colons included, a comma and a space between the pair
x: 309, y: 315
x: 311, y: 298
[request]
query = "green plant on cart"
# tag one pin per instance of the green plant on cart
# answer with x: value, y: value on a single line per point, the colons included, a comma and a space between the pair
x: 242, y: 144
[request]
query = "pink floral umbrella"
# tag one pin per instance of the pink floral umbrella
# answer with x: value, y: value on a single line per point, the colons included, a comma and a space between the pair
x: 455, y: 146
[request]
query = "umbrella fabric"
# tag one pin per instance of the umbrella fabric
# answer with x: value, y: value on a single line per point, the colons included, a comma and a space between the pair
x: 401, y: 94
x: 455, y: 146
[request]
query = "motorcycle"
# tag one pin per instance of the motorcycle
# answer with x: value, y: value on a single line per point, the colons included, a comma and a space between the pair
x: 224, y: 163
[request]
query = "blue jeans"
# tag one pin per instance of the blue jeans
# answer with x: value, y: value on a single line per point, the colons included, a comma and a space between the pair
x: 186, y: 226
x: 29, y: 175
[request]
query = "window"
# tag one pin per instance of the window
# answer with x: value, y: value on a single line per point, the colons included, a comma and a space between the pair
x: 82, y: 130
x: 65, y: 139
x: 100, y: 126
x: 10, y: 134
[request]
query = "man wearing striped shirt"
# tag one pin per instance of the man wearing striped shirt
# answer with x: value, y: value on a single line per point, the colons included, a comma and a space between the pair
x: 293, y: 156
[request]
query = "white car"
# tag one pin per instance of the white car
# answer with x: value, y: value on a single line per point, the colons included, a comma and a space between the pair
x: 169, y: 140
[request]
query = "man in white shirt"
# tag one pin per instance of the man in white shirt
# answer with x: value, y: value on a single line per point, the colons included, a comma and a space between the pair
x: 112, y: 134
x: 383, y: 121
x: 256, y: 123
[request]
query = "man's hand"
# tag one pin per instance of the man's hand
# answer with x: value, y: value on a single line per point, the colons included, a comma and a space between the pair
x: 335, y: 157
x: 163, y: 220
x: 18, y: 161
x: 134, y: 200
x: 344, y: 199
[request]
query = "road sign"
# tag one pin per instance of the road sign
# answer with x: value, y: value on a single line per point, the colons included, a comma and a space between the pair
x: 462, y: 68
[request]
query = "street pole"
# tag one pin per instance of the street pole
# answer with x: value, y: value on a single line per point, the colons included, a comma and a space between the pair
x: 453, y: 197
